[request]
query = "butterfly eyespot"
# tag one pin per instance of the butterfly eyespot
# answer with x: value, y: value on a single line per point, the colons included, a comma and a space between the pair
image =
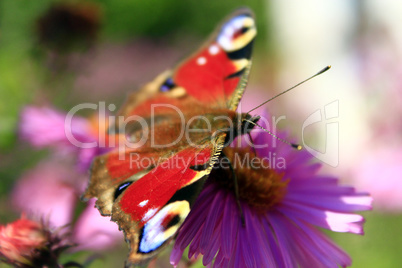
x: 121, y: 189
x: 162, y: 226
x: 244, y: 29
x: 167, y: 85
x: 240, y: 32
x: 174, y: 221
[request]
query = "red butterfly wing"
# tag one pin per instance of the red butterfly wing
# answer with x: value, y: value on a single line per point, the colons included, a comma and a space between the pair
x: 146, y: 196
x: 213, y: 74
x: 214, y: 77
x: 151, y: 205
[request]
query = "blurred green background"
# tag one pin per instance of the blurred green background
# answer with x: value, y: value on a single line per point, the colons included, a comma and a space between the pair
x: 125, y: 43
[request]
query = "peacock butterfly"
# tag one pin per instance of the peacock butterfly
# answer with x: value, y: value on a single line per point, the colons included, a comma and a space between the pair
x: 177, y: 126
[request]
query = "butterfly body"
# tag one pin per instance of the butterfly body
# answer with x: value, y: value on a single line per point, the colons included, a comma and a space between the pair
x: 177, y: 126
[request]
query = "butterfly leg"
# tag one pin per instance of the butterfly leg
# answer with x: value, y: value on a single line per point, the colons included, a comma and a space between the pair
x: 236, y: 190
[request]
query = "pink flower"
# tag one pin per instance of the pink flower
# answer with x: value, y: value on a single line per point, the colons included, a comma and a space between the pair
x: 48, y: 190
x: 46, y: 127
x: 28, y: 243
x: 52, y: 190
x: 20, y: 238
x: 95, y: 232
x: 284, y: 202
x: 379, y: 172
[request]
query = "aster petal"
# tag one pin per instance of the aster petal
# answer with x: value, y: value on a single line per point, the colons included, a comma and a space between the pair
x: 281, y: 240
x: 176, y: 255
x: 236, y: 260
x: 272, y: 245
x: 338, y: 222
x: 189, y: 230
x: 228, y: 234
x: 332, y: 203
x: 256, y: 233
x: 337, y: 253
x: 194, y: 246
x: 210, y: 224
x: 250, y: 250
x: 310, y: 171
x: 317, y: 184
x: 327, y: 248
x: 212, y: 249
x: 220, y: 260
x: 308, y: 251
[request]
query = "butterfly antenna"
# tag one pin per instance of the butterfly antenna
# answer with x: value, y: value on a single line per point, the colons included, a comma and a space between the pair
x: 294, y: 145
x: 298, y: 84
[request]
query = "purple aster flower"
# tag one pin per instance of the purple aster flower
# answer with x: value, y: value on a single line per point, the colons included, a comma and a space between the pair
x: 284, y: 201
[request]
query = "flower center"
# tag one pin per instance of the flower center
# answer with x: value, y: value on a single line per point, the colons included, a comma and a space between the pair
x: 259, y: 185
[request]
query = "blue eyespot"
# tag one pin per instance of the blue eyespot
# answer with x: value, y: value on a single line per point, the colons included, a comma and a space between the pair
x: 167, y: 85
x: 121, y: 189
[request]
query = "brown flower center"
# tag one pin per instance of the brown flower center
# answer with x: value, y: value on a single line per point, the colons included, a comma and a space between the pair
x: 259, y: 185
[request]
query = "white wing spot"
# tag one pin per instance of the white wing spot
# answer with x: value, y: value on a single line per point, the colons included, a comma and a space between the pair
x: 213, y: 50
x: 150, y: 213
x: 143, y: 203
x: 201, y: 60
x: 238, y: 24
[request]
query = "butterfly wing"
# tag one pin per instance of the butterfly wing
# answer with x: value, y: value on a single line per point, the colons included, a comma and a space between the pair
x: 218, y: 72
x: 152, y: 209
x: 149, y: 202
x: 112, y: 172
x: 214, y: 77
